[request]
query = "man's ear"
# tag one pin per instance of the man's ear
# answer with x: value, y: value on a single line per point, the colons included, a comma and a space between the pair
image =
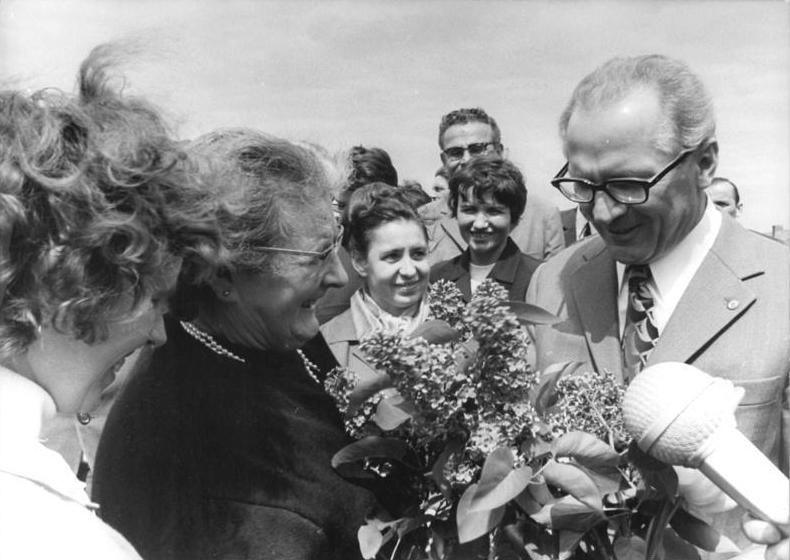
x: 223, y: 286
x: 359, y: 263
x: 707, y: 163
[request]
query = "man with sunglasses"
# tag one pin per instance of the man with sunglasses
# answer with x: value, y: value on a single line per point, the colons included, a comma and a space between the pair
x: 669, y: 278
x: 466, y: 133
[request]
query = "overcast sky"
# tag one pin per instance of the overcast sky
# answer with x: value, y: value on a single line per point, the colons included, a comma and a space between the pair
x: 382, y: 73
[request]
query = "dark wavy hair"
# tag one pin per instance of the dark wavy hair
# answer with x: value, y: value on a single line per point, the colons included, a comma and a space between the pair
x: 95, y: 202
x: 374, y: 205
x: 465, y: 116
x: 490, y: 175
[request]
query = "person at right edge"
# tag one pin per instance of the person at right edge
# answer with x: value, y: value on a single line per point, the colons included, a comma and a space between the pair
x: 639, y: 138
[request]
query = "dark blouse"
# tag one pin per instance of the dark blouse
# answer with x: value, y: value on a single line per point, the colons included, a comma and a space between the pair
x: 203, y: 456
x: 513, y: 271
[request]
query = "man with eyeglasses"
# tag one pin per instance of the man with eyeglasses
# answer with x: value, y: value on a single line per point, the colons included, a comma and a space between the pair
x: 669, y: 278
x: 464, y: 134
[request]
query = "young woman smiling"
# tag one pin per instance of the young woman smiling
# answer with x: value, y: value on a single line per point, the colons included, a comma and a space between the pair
x: 487, y: 198
x: 389, y: 249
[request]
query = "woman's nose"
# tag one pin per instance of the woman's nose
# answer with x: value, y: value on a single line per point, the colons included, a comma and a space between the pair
x: 481, y: 221
x: 407, y: 268
x: 157, y: 335
x: 336, y: 275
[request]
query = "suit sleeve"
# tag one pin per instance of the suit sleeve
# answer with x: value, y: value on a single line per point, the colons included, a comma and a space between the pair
x: 555, y: 238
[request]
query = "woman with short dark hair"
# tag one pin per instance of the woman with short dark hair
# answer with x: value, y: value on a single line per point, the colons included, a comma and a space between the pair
x: 389, y: 249
x: 487, y: 198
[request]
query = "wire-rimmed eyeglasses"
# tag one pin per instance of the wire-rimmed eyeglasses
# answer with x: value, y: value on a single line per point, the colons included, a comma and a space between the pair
x: 322, y: 255
x: 625, y: 190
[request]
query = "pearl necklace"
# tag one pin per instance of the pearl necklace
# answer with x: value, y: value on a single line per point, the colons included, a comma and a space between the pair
x: 209, y: 342
x: 311, y: 369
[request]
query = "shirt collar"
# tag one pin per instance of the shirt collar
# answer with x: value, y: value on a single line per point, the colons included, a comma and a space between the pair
x: 675, y: 269
x: 24, y: 409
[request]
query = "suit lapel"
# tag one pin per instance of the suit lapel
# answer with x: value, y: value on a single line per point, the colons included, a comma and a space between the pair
x: 450, y: 227
x: 715, y: 298
x: 594, y: 287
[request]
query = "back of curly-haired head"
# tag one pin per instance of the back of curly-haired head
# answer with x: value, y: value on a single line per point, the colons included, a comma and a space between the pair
x: 490, y: 175
x: 95, y: 200
x: 465, y: 116
x: 374, y: 205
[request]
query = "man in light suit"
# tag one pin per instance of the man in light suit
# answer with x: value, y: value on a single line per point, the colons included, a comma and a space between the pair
x: 639, y: 139
x: 463, y: 134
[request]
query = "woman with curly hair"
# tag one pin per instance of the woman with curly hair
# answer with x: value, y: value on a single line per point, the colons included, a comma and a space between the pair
x: 94, y: 220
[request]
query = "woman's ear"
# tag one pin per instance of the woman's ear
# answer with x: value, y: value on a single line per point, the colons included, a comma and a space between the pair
x: 222, y: 285
x: 359, y: 263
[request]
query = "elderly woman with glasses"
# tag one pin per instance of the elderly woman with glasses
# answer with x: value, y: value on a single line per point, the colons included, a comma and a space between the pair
x: 94, y: 219
x: 221, y: 444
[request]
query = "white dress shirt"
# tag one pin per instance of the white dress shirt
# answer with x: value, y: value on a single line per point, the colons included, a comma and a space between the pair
x: 673, y: 271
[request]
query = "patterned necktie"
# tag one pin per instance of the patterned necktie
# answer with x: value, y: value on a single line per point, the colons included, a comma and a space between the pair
x: 640, y: 333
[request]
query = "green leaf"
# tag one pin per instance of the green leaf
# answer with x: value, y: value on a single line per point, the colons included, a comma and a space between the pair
x: 587, y: 450
x: 569, y: 540
x: 546, y: 396
x: 630, y: 548
x: 527, y: 502
x: 568, y: 513
x: 437, y: 471
x: 390, y: 413
x: 700, y: 534
x: 655, y: 474
x: 529, y: 314
x: 675, y: 548
x: 499, y: 482
x: 370, y: 381
x: 655, y: 529
x: 574, y: 481
x: 436, y: 331
x: 374, y: 446
x: 370, y: 540
x: 473, y: 524
x: 539, y: 490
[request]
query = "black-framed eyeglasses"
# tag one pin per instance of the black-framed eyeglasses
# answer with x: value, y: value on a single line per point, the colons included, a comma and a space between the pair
x: 625, y: 190
x: 322, y: 255
x: 478, y: 148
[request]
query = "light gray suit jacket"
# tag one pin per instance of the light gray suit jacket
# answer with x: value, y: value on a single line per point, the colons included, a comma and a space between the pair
x: 733, y: 321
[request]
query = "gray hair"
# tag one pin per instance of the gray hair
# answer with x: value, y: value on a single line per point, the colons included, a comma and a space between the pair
x: 259, y: 184
x: 686, y: 105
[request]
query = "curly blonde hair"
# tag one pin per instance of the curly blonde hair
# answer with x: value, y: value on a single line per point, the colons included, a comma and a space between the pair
x: 95, y: 201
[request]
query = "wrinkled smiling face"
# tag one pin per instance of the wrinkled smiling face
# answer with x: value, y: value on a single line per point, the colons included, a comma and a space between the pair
x: 395, y: 269
x: 276, y: 307
x: 618, y: 141
x: 75, y: 373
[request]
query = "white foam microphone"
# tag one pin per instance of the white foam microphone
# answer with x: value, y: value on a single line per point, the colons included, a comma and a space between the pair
x: 683, y: 416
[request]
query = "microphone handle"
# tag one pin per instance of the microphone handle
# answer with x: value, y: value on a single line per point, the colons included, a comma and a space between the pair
x: 745, y: 474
